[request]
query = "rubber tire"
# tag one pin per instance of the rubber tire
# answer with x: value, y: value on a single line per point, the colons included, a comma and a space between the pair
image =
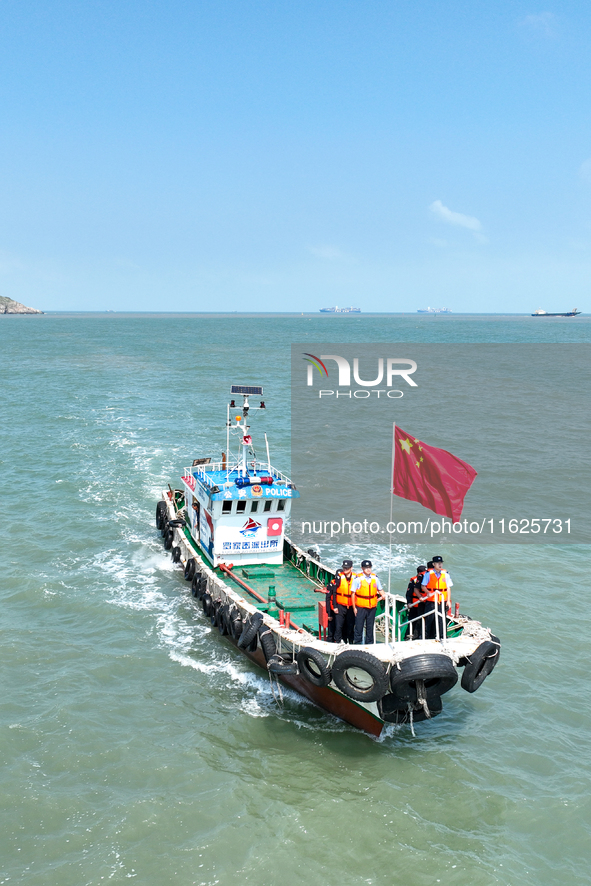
x: 364, y: 661
x: 176, y: 554
x: 206, y: 604
x: 168, y: 540
x: 390, y: 713
x: 214, y: 614
x: 437, y: 671
x: 236, y: 625
x: 160, y: 514
x: 322, y: 675
x: 278, y: 665
x: 268, y: 643
x: 190, y: 567
x: 223, y: 619
x: 254, y: 644
x: 164, y: 527
x: 250, y: 629
x: 480, y: 665
x: 196, y: 585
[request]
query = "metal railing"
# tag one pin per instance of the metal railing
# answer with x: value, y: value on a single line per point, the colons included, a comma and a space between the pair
x: 260, y: 466
x: 395, y: 621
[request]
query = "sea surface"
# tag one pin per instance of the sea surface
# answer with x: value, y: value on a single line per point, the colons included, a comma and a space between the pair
x: 137, y: 744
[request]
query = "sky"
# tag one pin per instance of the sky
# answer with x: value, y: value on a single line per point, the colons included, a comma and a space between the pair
x: 277, y: 156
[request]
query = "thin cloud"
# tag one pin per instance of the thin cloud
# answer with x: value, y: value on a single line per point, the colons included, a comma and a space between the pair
x: 544, y: 24
x: 455, y: 218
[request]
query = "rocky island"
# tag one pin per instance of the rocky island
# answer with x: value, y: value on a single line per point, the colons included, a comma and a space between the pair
x: 8, y: 306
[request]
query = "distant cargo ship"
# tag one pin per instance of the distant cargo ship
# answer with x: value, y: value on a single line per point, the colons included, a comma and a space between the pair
x: 434, y: 311
x: 542, y: 313
x: 336, y: 310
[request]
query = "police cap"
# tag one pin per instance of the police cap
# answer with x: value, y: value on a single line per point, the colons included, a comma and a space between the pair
x: 366, y: 564
x: 421, y: 568
x: 437, y: 559
x: 347, y: 564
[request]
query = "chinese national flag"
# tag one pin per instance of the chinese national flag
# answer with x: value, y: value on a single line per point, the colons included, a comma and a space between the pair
x: 433, y: 477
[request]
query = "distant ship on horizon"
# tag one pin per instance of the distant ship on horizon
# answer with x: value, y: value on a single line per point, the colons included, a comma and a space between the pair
x: 337, y: 310
x: 433, y: 311
x: 541, y: 313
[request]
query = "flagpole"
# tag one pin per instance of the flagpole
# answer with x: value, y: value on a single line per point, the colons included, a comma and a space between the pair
x: 391, y: 511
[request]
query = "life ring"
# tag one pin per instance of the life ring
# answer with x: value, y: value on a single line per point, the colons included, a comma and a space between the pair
x: 268, y: 643
x: 280, y: 664
x: 250, y: 629
x: 480, y: 664
x: 190, y: 567
x: 391, y: 710
x: 437, y: 673
x: 176, y: 554
x: 206, y: 604
x: 313, y: 666
x: 360, y: 675
x: 168, y: 539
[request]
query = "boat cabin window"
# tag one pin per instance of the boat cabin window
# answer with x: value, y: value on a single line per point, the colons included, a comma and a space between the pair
x: 254, y: 507
x: 268, y: 506
x: 226, y: 507
x: 281, y: 504
x: 240, y: 507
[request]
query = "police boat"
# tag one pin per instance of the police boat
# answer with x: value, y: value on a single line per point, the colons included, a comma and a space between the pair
x: 226, y: 529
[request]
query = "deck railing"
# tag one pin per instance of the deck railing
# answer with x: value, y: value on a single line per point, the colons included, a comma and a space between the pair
x: 261, y: 467
x: 396, y: 620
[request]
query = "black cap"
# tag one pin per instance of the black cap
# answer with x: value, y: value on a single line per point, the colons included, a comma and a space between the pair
x: 347, y: 564
x: 421, y: 568
x: 366, y: 564
x: 437, y: 559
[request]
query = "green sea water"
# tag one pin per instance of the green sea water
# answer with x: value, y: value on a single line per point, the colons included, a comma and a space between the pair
x: 137, y: 744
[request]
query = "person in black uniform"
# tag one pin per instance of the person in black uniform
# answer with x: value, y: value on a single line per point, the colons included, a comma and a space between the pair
x: 414, y: 604
x: 341, y: 601
x: 330, y: 592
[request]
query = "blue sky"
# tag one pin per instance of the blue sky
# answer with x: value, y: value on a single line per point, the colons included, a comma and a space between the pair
x: 290, y: 156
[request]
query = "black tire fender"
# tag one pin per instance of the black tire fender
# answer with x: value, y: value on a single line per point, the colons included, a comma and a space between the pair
x: 391, y: 710
x: 236, y: 624
x: 437, y: 672
x: 206, y: 604
x: 223, y: 619
x: 360, y: 675
x: 250, y: 629
x: 479, y: 665
x: 168, y: 539
x: 190, y: 567
x: 313, y: 666
x: 196, y: 585
x: 160, y: 514
x: 214, y: 613
x: 277, y: 664
x: 176, y: 554
x: 268, y: 643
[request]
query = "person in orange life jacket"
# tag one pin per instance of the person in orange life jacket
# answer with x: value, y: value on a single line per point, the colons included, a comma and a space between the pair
x: 365, y: 593
x: 345, y: 619
x: 414, y: 604
x: 435, y: 585
x: 330, y: 590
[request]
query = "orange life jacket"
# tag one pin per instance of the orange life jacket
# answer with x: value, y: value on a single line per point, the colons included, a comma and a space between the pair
x: 416, y: 592
x: 344, y: 590
x: 367, y: 595
x: 436, y: 589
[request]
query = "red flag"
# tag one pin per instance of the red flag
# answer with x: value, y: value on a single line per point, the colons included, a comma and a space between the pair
x: 433, y: 477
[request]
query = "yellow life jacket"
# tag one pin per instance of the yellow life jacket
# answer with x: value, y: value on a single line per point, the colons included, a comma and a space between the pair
x: 436, y: 589
x: 344, y: 589
x: 367, y: 595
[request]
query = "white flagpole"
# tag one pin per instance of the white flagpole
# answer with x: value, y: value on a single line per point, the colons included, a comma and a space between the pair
x: 391, y: 510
